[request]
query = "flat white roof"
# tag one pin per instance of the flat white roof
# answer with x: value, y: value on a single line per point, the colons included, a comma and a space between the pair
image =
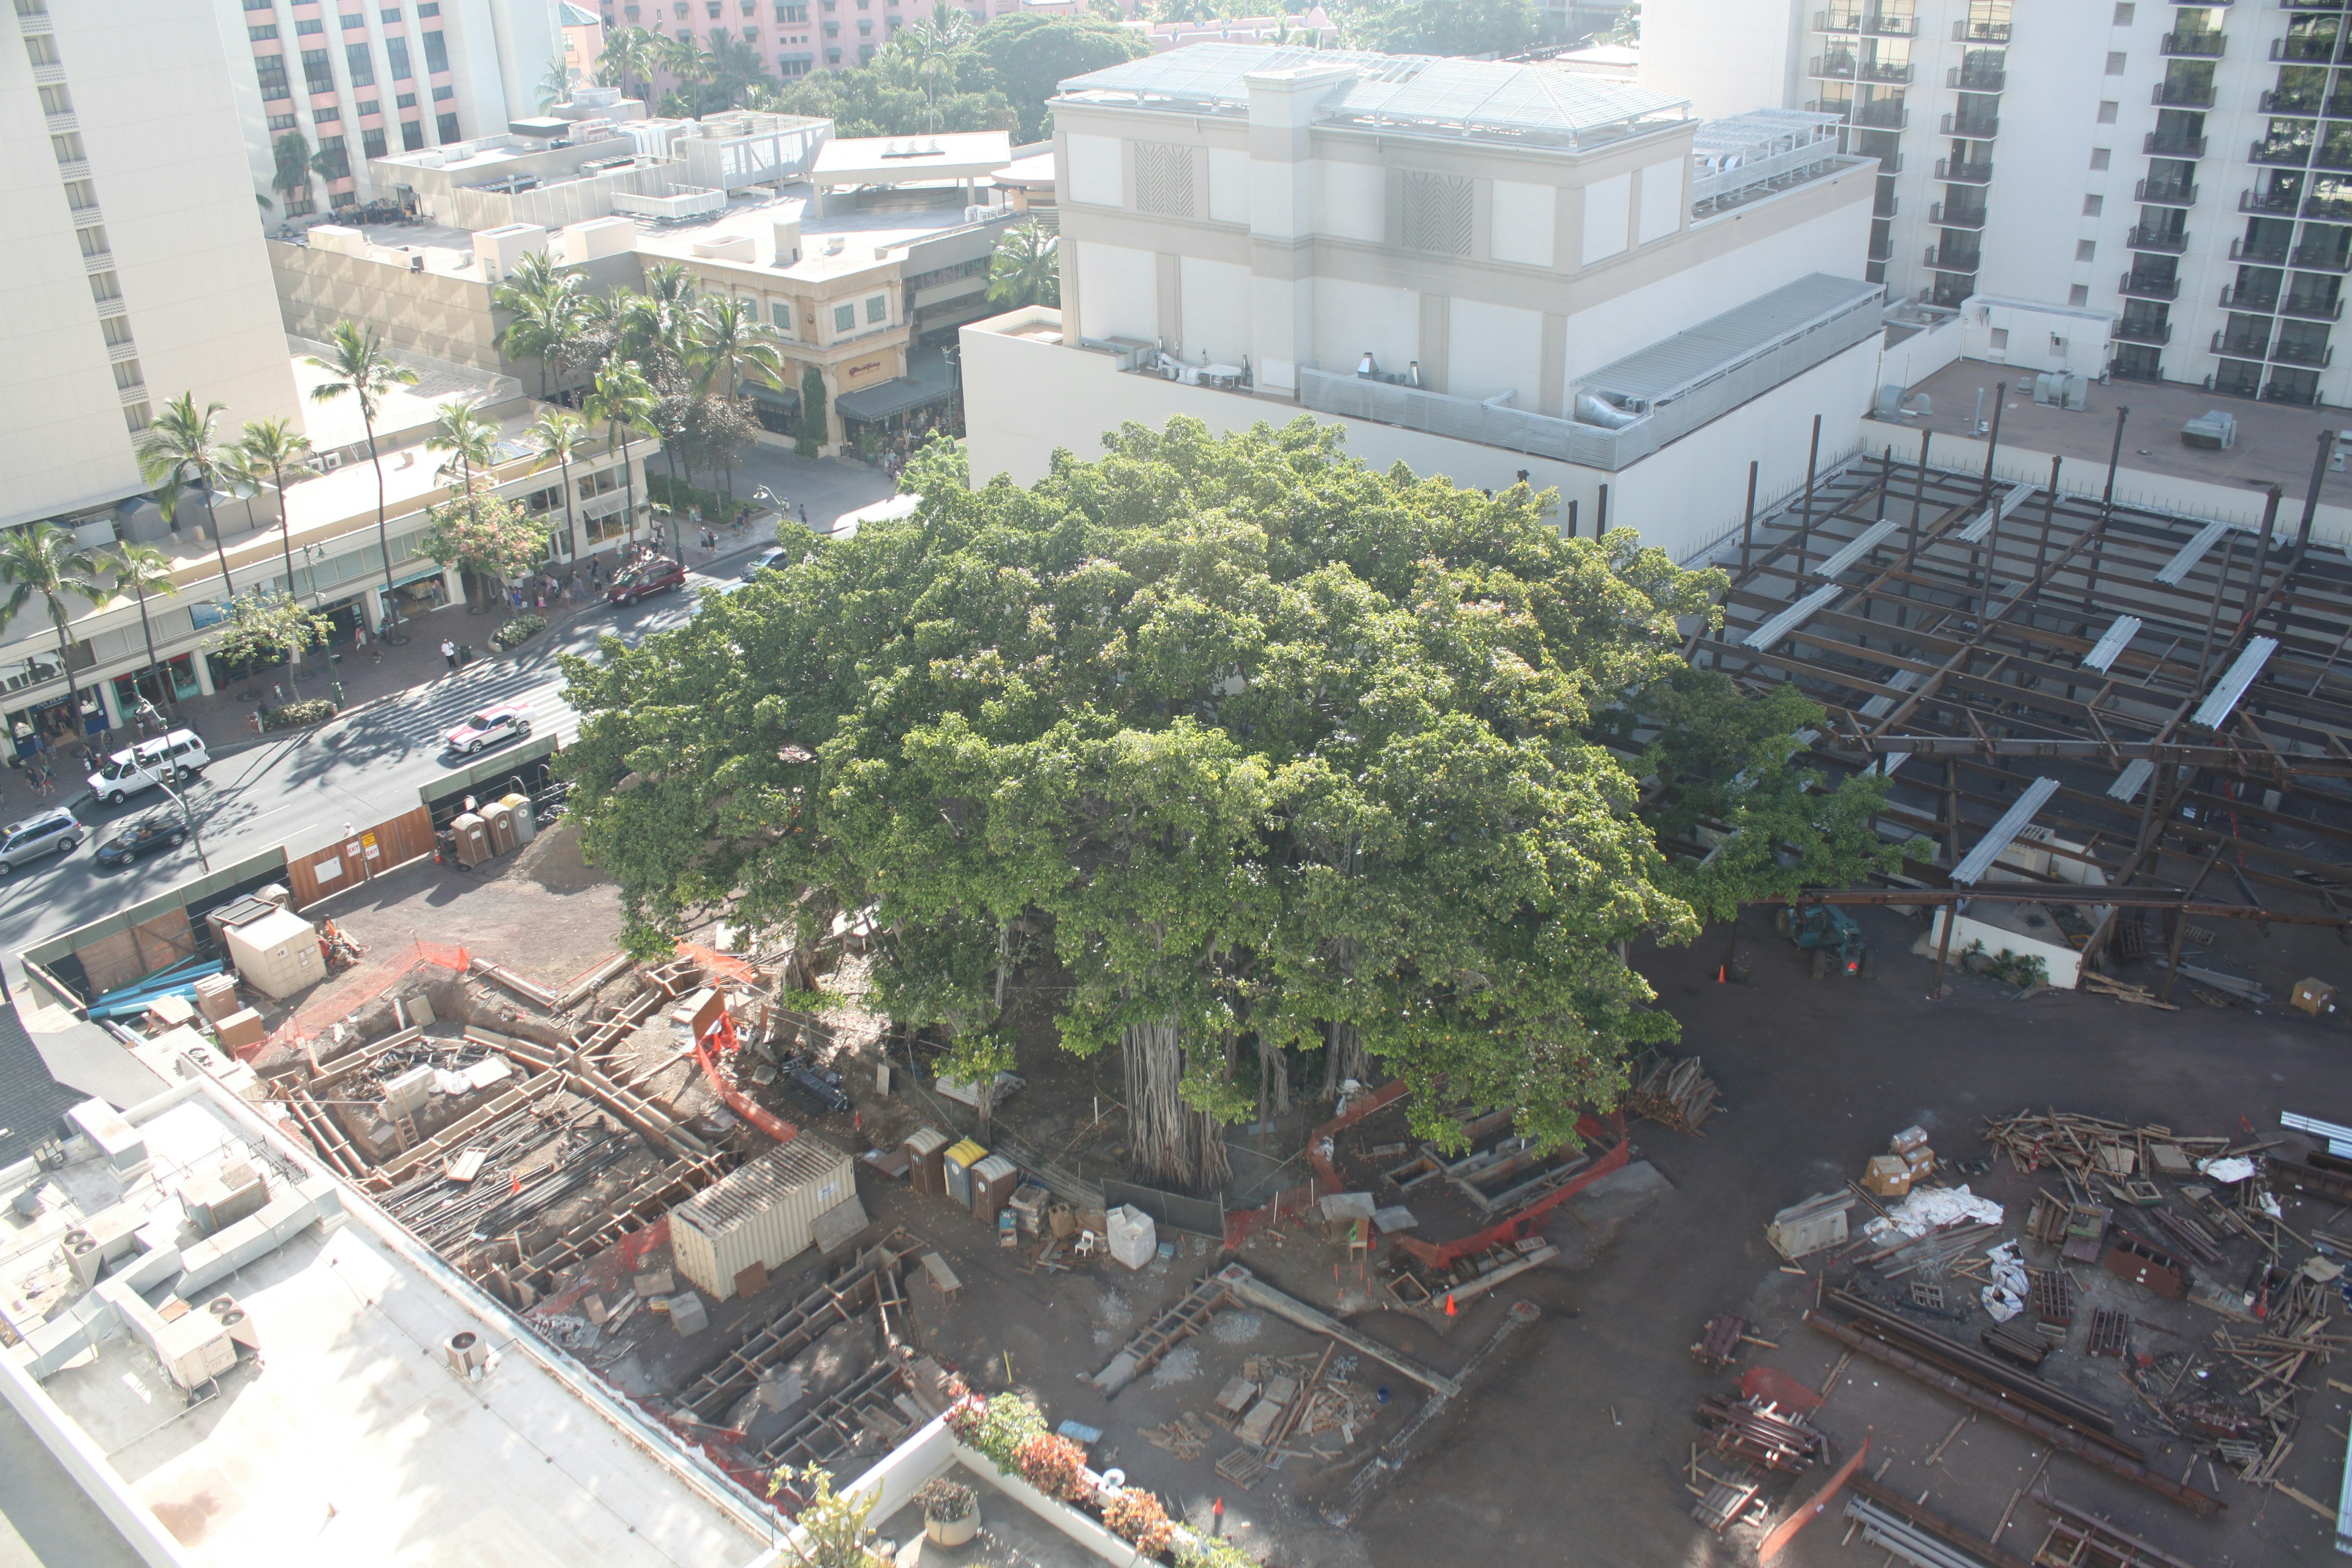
x: 909, y: 160
x: 350, y: 1439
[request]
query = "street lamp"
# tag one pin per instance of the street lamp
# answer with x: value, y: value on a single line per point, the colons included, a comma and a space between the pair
x: 189, y: 817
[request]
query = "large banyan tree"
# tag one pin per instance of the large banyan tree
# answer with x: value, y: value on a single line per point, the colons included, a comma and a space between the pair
x: 1269, y: 752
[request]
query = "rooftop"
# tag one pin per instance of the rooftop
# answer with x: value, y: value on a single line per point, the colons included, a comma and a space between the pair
x: 347, y: 1431
x: 907, y: 160
x: 1500, y: 99
x: 861, y: 233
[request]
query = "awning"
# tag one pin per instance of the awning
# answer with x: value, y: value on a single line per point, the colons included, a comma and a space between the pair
x: 928, y: 383
x: 784, y: 398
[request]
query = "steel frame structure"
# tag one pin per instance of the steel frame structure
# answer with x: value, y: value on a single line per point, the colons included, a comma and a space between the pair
x: 1952, y: 655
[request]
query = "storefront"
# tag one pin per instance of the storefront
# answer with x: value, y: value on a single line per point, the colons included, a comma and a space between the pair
x: 777, y: 408
x: 419, y: 593
x: 896, y: 416
x: 173, y: 681
x: 44, y: 725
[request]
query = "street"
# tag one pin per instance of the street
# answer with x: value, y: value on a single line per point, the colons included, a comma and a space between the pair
x: 365, y: 765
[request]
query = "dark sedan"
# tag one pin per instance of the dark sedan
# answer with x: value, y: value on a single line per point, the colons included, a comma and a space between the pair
x: 143, y: 838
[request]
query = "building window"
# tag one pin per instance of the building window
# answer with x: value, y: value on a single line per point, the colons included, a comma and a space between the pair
x: 80, y: 194
x: 355, y: 22
x: 405, y: 101
x: 259, y: 4
x: 372, y: 144
x: 2107, y: 112
x: 792, y: 13
x: 446, y: 125
x: 333, y: 160
x: 396, y: 51
x: 865, y: 52
x: 877, y: 308
x: 2124, y: 13
x: 2091, y: 205
x: 312, y: 26
x: 68, y: 147
x: 116, y: 330
x: 278, y: 122
x: 105, y: 286
x: 2115, y: 62
x: 317, y: 74
x: 794, y: 65
x: 845, y: 317
x: 2101, y: 157
x: 601, y: 482
x: 412, y: 135
x: 2080, y: 294
x: 391, y: 15
x: 436, y: 51
x: 327, y: 115
x: 430, y: 8
x: 780, y: 311
x: 443, y: 92
x: 41, y: 49
x: 127, y: 374
x: 297, y: 203
x: 546, y: 499
x: 259, y: 35
x: 2086, y: 250
x: 135, y: 416
x: 92, y: 240
x: 360, y: 64
x: 370, y: 106
x: 271, y: 69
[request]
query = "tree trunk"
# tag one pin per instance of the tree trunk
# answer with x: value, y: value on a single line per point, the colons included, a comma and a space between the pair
x: 571, y: 524
x: 1169, y: 1142
x: 1274, y: 1077
x: 64, y: 661
x: 147, y: 630
x: 1343, y: 1058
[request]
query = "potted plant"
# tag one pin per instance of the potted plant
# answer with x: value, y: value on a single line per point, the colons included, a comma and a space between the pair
x: 951, y: 1510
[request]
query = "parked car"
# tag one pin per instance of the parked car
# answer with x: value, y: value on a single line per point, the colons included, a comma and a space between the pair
x: 649, y: 576
x: 490, y: 727
x: 156, y: 830
x: 773, y: 558
x: 53, y: 832
x: 179, y: 756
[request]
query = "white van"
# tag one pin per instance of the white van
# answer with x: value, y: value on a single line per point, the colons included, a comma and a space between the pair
x: 179, y: 756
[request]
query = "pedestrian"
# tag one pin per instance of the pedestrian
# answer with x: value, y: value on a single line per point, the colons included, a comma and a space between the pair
x: 449, y: 652
x: 359, y: 637
x: 803, y: 512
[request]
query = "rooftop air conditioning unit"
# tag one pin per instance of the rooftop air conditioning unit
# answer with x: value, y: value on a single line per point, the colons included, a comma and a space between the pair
x: 331, y: 460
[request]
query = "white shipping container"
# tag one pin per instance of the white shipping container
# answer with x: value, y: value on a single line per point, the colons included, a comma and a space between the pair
x: 761, y: 1213
x: 277, y: 954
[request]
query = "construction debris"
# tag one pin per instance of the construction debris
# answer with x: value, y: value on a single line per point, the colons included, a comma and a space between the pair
x: 1676, y: 1094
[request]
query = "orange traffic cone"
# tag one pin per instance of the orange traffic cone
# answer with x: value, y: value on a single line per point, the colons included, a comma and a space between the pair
x: 1451, y: 1310
x: 1722, y: 974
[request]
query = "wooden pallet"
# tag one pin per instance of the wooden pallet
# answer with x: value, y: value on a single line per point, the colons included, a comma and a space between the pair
x: 1243, y: 1468
x: 2110, y: 1332
x: 2051, y: 1297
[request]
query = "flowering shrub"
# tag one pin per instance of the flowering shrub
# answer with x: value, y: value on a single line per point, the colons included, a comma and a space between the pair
x: 996, y: 1427
x: 1208, y: 1552
x: 1054, y: 1464
x: 1135, y: 1515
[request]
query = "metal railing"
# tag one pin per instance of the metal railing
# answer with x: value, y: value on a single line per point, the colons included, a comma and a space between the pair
x: 1976, y: 79
x: 2305, y: 51
x: 1956, y: 214
x: 2131, y: 332
x: 1963, y: 174
x: 2137, y: 288
x: 2142, y: 237
x: 1762, y: 170
x: 2283, y: 154
x: 1887, y: 205
x: 1972, y: 127
x: 2261, y: 299
x: 2279, y: 391
x: 1887, y: 114
x: 2196, y: 44
x: 2308, y: 308
x: 2319, y: 356
x: 2247, y: 250
x: 2158, y: 145
x: 2281, y: 202
x: 2319, y: 258
x: 2239, y: 346
x: 1980, y: 31
x: 2276, y: 103
x: 2182, y: 95
x: 1955, y: 260
x: 2166, y: 192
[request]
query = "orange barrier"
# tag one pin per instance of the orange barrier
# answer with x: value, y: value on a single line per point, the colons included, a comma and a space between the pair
x: 1242, y: 1224
x: 1523, y: 1224
x: 722, y: 1039
x: 340, y: 999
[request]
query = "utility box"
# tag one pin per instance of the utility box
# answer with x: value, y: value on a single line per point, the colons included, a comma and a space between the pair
x: 993, y: 1181
x: 955, y: 1169
x: 499, y: 818
x: 925, y: 1148
x: 2316, y: 997
x: 217, y: 996
x: 763, y: 1213
x: 217, y: 1201
x: 277, y: 954
x: 472, y: 838
x: 1814, y: 1226
x: 406, y: 1095
x: 525, y: 823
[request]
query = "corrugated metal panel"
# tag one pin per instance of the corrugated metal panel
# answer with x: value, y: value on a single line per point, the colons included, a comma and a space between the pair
x: 1667, y: 370
x: 1863, y: 544
x: 2112, y: 643
x: 2129, y: 782
x: 1982, y: 525
x: 1880, y: 707
x: 760, y: 1213
x: 1795, y: 616
x: 2339, y: 1138
x: 2231, y: 689
x: 2013, y: 821
x: 2185, y: 559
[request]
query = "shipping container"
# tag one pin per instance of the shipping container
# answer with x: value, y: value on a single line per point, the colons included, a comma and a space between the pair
x: 924, y: 1146
x: 761, y: 1213
x: 277, y: 954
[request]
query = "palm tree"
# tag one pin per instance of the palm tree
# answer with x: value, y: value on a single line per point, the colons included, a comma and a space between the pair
x: 556, y: 85
x: 560, y: 437
x: 730, y: 339
x: 623, y: 400
x: 732, y: 64
x: 179, y: 449
x: 683, y: 58
x: 632, y: 51
x: 274, y: 447
x: 144, y: 570
x: 293, y: 174
x: 471, y: 438
x: 361, y: 368
x: 45, y: 560
x: 543, y: 312
x: 1026, y: 268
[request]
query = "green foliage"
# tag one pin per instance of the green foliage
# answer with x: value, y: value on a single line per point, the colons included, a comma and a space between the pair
x: 1441, y: 27
x: 1197, y: 1550
x: 939, y: 75
x: 521, y: 629
x: 295, y: 715
x: 996, y: 1427
x: 1026, y: 268
x: 829, y: 1531
x: 291, y: 155
x: 1135, y: 1515
x: 488, y: 535
x: 1258, y: 741
x: 663, y: 491
x: 946, y: 1499
x: 1032, y: 56
x: 2009, y: 968
x: 813, y: 422
x: 264, y: 626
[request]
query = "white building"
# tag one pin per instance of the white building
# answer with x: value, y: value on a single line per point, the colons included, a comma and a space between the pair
x: 359, y: 81
x: 2176, y: 169
x: 131, y: 262
x: 1488, y: 270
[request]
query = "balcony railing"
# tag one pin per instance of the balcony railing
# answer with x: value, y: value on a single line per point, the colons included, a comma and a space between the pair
x: 1886, y: 71
x: 1963, y: 174
x: 2309, y: 50
x: 2325, y: 156
x: 1890, y: 26
x: 2131, y: 332
x: 2135, y: 287
x: 2280, y: 392
x: 1837, y: 21
x: 2158, y: 145
x: 2319, y: 356
x: 1881, y: 250
x: 2337, y: 106
x: 2239, y: 346
x: 2310, y: 308
x: 2270, y: 254
x: 2166, y: 192
x: 1976, y: 79
x: 1979, y: 32
x: 2126, y: 368
x: 1943, y: 260
x: 2276, y: 103
x: 2281, y: 202
x: 2321, y: 259
x: 1956, y: 215
x: 1972, y: 127
x: 2142, y: 237
x: 2196, y: 46
x: 1886, y: 114
x: 2282, y: 154
x: 1888, y: 204
x: 2261, y: 300
x: 2182, y: 95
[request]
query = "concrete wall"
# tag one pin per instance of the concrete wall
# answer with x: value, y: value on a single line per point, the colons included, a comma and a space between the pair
x: 1025, y: 397
x: 1726, y: 56
x: 429, y: 314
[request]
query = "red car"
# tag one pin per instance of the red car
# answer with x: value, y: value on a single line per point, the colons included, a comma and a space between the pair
x: 651, y: 575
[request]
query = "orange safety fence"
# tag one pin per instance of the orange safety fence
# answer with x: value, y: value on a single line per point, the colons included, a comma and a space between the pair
x: 340, y: 999
x: 719, y: 966
x: 1242, y: 1224
x: 722, y: 1039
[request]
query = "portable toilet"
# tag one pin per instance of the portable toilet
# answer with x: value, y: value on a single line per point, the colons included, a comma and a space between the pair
x: 498, y: 818
x: 525, y: 823
x: 956, y: 1165
x: 993, y: 1181
x: 473, y: 839
x: 925, y: 1148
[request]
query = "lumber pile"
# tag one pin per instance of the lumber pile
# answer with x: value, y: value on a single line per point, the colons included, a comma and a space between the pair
x: 1676, y: 1094
x: 2093, y: 1152
x: 1760, y: 1432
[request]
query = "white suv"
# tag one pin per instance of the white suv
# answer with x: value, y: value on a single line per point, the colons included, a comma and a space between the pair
x: 179, y: 756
